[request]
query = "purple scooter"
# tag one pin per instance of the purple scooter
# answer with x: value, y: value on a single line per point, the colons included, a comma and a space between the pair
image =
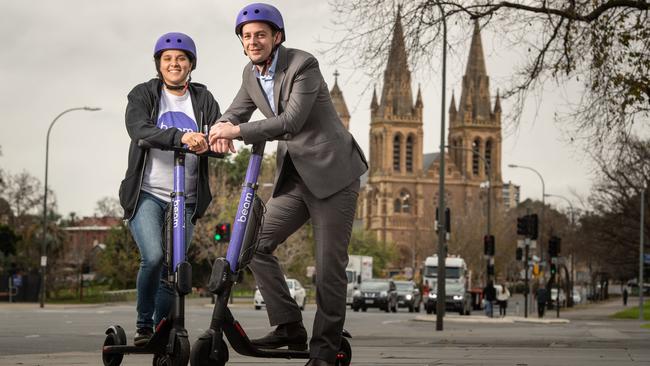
x: 210, y: 349
x: 169, y: 344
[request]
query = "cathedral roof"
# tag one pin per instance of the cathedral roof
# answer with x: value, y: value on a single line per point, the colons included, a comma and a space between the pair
x: 396, y: 91
x: 429, y: 159
x: 337, y: 98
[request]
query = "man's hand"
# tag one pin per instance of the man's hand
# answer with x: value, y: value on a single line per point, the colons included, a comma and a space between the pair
x: 221, y: 135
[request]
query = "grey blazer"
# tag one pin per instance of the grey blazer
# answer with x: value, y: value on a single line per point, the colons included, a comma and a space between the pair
x: 323, y: 152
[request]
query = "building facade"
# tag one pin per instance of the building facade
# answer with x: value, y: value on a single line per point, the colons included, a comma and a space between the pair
x: 399, y: 194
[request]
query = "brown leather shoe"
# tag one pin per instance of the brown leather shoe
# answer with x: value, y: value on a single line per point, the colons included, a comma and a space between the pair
x: 291, y: 335
x: 318, y: 362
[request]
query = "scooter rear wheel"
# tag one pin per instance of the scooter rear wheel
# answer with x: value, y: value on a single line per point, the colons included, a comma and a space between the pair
x: 200, y: 355
x: 180, y: 357
x: 344, y: 355
x: 114, y: 339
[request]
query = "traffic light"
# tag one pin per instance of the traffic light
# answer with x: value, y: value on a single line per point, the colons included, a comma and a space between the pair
x: 490, y: 269
x: 553, y: 269
x: 554, y: 246
x: 520, y: 254
x: 522, y: 225
x: 222, y: 233
x: 528, y: 226
x: 447, y: 220
x: 488, y: 245
x: 533, y: 224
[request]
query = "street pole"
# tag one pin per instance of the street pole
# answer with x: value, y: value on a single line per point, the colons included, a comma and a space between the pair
x: 641, y: 261
x: 44, y: 238
x: 440, y: 303
x: 541, y: 221
x: 569, y: 299
x: 526, y: 254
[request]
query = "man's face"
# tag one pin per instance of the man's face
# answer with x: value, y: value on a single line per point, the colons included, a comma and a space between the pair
x: 174, y: 67
x: 258, y: 40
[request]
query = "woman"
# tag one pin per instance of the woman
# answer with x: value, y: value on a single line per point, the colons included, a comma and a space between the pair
x: 170, y: 111
x: 502, y: 298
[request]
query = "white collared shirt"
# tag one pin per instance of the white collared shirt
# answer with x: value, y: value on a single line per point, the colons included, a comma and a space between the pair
x: 266, y: 81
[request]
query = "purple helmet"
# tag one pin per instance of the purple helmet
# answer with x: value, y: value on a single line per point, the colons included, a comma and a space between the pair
x: 260, y: 12
x: 176, y: 41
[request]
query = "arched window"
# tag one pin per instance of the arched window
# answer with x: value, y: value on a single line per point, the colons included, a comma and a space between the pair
x: 409, y: 154
x: 475, y: 156
x: 397, y: 205
x: 488, y: 157
x: 405, y: 198
x: 397, y: 147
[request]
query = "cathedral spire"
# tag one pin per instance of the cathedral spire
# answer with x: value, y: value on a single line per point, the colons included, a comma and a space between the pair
x: 475, y: 94
x: 396, y: 96
x: 374, y: 105
x: 339, y: 102
x: 497, y: 103
x: 418, y: 99
x: 452, y: 105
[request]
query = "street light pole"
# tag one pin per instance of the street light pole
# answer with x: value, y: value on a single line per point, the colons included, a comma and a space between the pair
x: 570, y: 299
x: 44, y: 239
x: 440, y: 304
x: 641, y: 259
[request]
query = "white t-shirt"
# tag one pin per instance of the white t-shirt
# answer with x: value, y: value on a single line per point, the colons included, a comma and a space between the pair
x: 175, y: 112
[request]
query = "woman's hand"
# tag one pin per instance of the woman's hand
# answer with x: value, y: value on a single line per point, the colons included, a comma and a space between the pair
x: 195, y: 141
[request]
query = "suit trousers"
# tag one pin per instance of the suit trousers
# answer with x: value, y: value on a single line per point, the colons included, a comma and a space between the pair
x: 331, y: 219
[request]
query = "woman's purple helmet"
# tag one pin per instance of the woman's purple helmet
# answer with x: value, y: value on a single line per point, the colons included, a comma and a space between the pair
x: 260, y: 12
x: 176, y: 41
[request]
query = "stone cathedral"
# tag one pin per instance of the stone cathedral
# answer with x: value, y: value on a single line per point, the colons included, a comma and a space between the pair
x: 399, y: 194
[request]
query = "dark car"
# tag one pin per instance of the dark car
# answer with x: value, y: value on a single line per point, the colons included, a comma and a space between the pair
x: 457, y: 299
x: 408, y: 296
x: 376, y: 293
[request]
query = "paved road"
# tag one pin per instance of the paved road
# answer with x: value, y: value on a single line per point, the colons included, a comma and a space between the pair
x: 72, y: 335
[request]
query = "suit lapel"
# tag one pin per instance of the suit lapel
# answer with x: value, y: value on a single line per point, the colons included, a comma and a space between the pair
x: 278, y: 78
x: 256, y: 93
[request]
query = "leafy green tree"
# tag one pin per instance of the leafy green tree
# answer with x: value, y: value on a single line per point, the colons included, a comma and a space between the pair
x: 366, y: 243
x: 120, y: 259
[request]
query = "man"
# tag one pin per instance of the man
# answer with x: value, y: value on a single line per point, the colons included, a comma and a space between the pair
x: 542, y: 297
x: 490, y: 295
x: 317, y: 177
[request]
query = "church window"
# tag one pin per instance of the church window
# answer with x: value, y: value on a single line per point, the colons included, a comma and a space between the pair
x: 397, y: 147
x: 405, y: 199
x: 488, y: 157
x: 409, y: 154
x: 398, y: 205
x: 475, y: 156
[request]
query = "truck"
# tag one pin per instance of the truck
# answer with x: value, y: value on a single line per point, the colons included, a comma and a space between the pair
x: 359, y: 269
x: 457, y: 296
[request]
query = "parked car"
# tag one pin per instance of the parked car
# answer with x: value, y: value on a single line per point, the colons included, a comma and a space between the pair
x: 553, y: 298
x: 296, y: 290
x: 408, y: 296
x: 376, y: 293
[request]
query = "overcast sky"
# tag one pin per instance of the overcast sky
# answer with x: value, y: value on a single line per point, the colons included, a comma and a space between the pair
x: 72, y: 53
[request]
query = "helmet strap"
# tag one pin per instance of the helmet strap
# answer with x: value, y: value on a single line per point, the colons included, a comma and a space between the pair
x: 177, y: 87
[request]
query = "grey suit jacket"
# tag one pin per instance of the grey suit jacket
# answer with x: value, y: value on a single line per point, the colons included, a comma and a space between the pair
x: 323, y: 152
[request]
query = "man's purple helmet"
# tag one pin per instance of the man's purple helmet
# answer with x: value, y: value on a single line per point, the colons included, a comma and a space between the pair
x: 260, y: 12
x: 176, y: 41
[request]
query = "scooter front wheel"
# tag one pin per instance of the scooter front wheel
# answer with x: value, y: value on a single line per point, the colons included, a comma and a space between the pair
x: 201, y: 350
x: 180, y: 357
x: 114, y: 337
x: 344, y: 355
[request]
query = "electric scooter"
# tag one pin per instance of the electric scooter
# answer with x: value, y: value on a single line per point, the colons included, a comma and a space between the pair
x: 169, y: 343
x: 210, y: 349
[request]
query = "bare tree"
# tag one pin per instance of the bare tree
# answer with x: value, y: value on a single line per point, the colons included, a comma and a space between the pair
x: 603, y: 44
x: 109, y: 206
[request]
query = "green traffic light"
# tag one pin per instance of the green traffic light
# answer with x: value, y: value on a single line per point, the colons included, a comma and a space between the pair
x: 217, y: 237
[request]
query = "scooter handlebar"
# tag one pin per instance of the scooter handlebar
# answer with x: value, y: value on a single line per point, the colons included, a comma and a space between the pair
x: 148, y: 145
